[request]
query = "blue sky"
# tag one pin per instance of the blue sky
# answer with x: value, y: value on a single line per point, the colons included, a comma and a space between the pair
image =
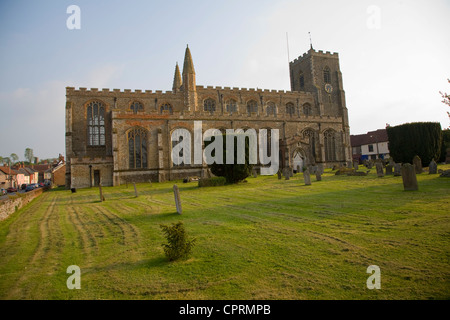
x: 394, y: 60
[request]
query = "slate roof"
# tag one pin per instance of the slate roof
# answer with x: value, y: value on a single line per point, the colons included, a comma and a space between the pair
x: 370, y: 137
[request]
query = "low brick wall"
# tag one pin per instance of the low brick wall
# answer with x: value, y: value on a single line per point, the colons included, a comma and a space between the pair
x: 9, y: 206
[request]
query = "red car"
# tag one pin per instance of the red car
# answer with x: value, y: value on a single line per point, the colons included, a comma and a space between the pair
x: 11, y: 189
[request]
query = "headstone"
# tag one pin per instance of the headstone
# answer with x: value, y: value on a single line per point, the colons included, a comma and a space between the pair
x: 286, y: 173
x: 389, y: 170
x: 320, y: 168
x: 397, y: 170
x: 299, y: 169
x: 318, y: 176
x: 291, y: 171
x: 254, y: 173
x: 176, y: 193
x: 135, y: 190
x: 417, y: 164
x: 369, y: 164
x: 314, y: 169
x: 279, y: 174
x: 409, y: 177
x: 355, y: 166
x: 379, y: 167
x: 102, y: 198
x: 432, y: 167
x: 391, y: 161
x: 307, y: 177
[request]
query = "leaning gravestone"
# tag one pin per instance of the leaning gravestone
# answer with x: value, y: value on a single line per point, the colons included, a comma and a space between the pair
x: 397, y: 170
x: 409, y: 177
x: 389, y: 170
x: 279, y: 174
x: 417, y: 164
x: 318, y: 176
x: 307, y: 177
x: 176, y: 193
x: 135, y: 190
x: 379, y: 167
x: 432, y: 167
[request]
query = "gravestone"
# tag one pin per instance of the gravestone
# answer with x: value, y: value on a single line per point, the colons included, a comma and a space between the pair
x: 102, y: 198
x: 388, y: 170
x: 432, y: 167
x: 291, y: 171
x: 369, y: 164
x: 320, y: 168
x: 355, y: 166
x: 417, y: 164
x: 279, y: 174
x: 299, y: 169
x: 176, y: 193
x: 254, y: 173
x: 397, y: 170
x: 379, y: 167
x: 286, y: 173
x: 391, y: 161
x: 307, y: 177
x: 409, y: 177
x: 318, y: 176
x: 135, y: 190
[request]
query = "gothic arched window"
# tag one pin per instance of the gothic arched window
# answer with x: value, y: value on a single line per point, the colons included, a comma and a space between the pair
x: 330, y: 145
x: 302, y: 80
x: 326, y: 75
x: 231, y: 106
x: 137, y: 148
x: 96, y: 124
x: 309, y: 135
x: 252, y: 106
x: 271, y: 109
x: 166, y: 107
x: 136, y: 106
x: 209, y: 105
x: 290, y: 109
x: 307, y: 110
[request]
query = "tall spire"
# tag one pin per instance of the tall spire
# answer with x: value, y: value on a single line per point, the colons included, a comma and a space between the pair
x: 188, y: 66
x: 176, y: 79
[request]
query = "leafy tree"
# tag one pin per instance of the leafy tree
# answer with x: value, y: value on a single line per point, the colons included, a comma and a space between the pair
x: 421, y: 138
x: 14, y: 157
x: 445, y: 144
x: 29, y: 155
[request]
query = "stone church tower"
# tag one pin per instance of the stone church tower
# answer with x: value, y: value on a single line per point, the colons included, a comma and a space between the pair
x: 117, y: 136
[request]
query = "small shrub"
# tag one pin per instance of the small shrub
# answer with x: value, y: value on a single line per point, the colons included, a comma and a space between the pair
x: 212, y: 182
x: 179, y: 246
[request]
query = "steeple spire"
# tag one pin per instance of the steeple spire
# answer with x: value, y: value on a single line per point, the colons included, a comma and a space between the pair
x: 176, y: 80
x: 188, y: 66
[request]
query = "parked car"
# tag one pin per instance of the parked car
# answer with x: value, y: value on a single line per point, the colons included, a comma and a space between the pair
x: 11, y: 189
x: 3, y: 192
x: 23, y: 186
x: 29, y: 188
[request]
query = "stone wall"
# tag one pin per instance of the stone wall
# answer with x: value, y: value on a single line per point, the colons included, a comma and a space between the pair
x: 14, y: 203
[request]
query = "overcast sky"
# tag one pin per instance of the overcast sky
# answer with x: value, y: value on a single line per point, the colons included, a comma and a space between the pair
x: 393, y: 55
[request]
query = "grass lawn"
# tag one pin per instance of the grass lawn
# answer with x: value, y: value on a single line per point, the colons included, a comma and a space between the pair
x: 264, y: 239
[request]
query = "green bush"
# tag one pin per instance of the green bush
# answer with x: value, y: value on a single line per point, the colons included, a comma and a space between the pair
x: 212, y: 182
x: 423, y: 139
x: 179, y: 246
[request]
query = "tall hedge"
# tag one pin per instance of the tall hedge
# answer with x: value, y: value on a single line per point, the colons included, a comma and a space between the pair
x: 420, y: 138
x: 445, y: 144
x: 233, y: 173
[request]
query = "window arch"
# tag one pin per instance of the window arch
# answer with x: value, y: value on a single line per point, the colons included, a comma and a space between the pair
x: 310, y: 136
x: 271, y: 109
x: 166, y: 107
x: 96, y: 123
x: 209, y: 105
x: 252, y: 106
x: 307, y: 109
x: 301, y: 80
x: 290, y: 109
x: 330, y: 145
x: 137, y: 148
x: 326, y: 75
x: 231, y: 106
x: 136, y: 106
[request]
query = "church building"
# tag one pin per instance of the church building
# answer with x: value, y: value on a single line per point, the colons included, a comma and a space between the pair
x: 114, y: 136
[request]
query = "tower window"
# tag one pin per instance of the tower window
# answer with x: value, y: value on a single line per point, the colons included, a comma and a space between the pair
x: 209, y: 105
x: 326, y: 75
x: 330, y: 145
x: 307, y: 110
x: 137, y: 148
x: 302, y: 80
x: 96, y: 124
x: 136, y: 106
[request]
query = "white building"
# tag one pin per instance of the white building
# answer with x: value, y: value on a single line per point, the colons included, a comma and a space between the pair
x: 372, y: 145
